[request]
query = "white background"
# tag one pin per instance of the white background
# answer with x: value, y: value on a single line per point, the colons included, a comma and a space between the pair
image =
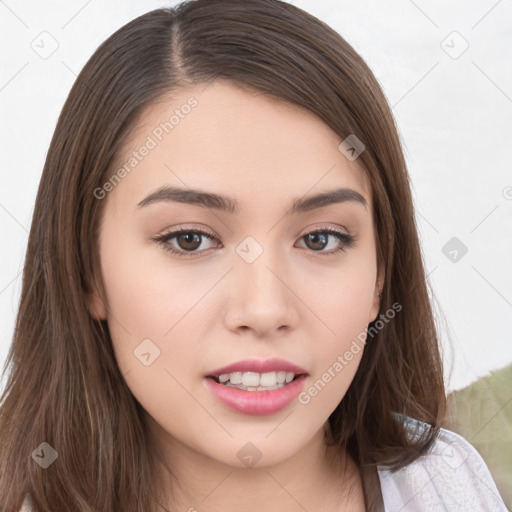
x: 453, y: 109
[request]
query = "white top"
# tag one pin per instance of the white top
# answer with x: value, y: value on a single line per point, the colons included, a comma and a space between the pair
x: 450, y: 477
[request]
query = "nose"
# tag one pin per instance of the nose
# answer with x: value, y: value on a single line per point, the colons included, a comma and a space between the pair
x: 262, y: 298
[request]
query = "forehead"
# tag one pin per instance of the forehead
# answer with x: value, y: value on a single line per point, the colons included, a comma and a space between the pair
x: 240, y: 142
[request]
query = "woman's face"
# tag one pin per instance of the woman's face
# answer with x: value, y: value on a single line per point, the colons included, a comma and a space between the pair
x: 255, y: 287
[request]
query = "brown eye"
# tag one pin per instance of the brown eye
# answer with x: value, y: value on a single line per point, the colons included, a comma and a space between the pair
x: 186, y: 241
x: 318, y: 240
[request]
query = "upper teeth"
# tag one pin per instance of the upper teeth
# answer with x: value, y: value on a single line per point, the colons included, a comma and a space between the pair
x: 257, y: 379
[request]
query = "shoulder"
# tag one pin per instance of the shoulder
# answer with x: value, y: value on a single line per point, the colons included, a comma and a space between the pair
x: 450, y: 476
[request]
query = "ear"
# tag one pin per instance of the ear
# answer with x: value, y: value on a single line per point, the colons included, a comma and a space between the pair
x: 96, y: 305
x: 379, y: 286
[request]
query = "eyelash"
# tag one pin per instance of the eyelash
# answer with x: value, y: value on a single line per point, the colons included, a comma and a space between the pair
x: 346, y: 241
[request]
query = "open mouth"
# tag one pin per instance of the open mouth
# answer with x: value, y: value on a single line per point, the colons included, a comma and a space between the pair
x: 252, y: 381
x: 256, y: 393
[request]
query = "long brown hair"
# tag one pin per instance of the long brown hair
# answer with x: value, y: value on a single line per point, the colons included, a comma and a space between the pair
x: 64, y: 386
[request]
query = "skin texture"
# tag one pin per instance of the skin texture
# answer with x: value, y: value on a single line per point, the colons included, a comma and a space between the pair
x: 207, y: 311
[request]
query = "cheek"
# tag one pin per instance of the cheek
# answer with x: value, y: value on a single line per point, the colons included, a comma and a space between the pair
x: 342, y: 296
x: 338, y: 349
x: 152, y: 320
x: 147, y: 299
x: 342, y: 301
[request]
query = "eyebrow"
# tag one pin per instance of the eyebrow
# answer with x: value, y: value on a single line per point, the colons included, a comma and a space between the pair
x: 230, y: 205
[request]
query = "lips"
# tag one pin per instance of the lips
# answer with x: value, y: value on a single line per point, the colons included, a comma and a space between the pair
x: 256, y: 402
x: 258, y: 366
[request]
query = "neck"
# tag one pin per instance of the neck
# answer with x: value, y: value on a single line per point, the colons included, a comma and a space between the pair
x: 317, y: 477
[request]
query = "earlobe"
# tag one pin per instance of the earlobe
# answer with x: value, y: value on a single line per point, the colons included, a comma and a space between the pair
x: 377, y: 296
x: 375, y: 306
x: 96, y: 306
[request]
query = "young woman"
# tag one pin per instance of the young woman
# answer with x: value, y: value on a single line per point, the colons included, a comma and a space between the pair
x: 224, y: 304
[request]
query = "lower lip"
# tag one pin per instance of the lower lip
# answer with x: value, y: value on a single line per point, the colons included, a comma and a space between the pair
x: 256, y: 402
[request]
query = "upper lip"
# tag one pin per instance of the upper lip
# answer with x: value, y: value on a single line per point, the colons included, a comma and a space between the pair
x: 258, y: 366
